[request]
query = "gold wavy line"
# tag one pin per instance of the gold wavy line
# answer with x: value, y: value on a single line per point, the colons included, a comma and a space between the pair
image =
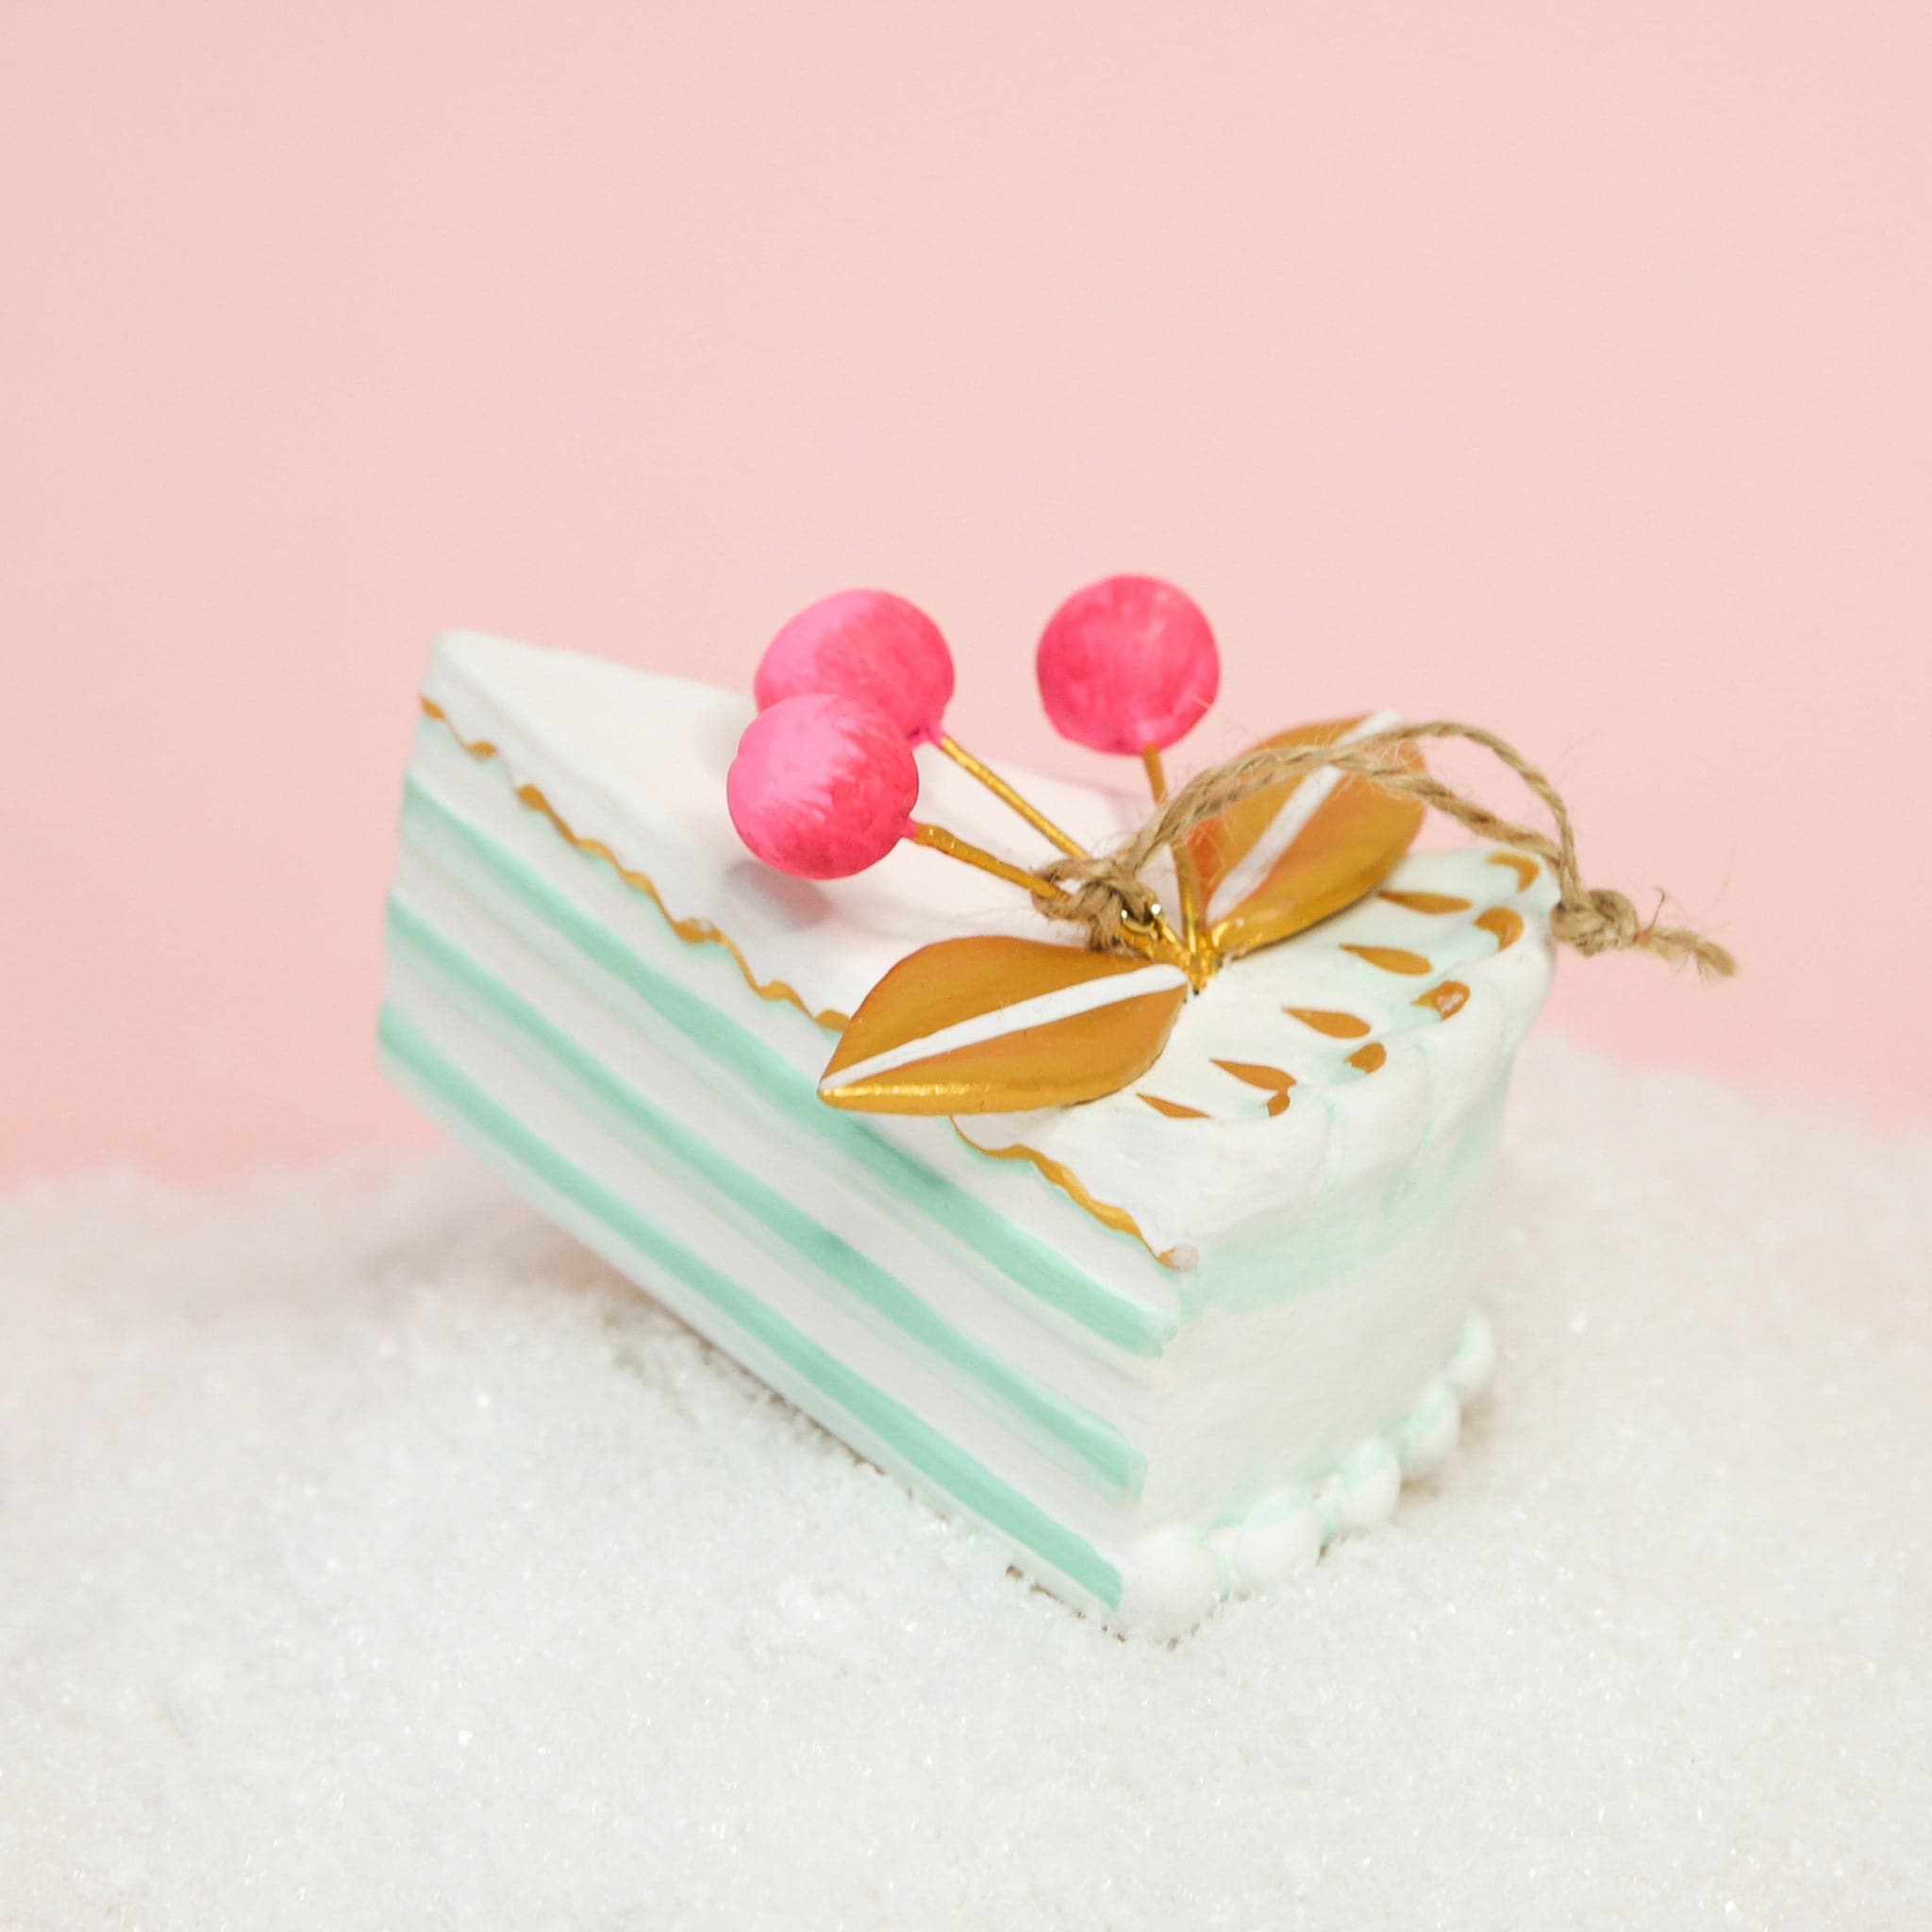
x: 694, y: 932
x: 1071, y: 1185
x: 697, y: 932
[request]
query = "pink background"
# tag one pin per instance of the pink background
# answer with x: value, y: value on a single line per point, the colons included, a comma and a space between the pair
x: 1562, y: 367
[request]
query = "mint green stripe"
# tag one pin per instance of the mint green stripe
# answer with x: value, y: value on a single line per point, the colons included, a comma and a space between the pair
x: 915, y: 1442
x: 1099, y: 1448
x: 1021, y: 1256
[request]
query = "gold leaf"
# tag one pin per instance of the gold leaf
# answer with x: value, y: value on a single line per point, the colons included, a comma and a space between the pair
x: 1352, y: 841
x: 994, y: 1024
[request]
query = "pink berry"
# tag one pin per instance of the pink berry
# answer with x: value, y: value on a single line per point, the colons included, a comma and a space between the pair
x: 1126, y: 663
x: 823, y: 785
x: 869, y: 644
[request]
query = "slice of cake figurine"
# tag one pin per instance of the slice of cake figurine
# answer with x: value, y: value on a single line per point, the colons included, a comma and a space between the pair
x: 1108, y: 1167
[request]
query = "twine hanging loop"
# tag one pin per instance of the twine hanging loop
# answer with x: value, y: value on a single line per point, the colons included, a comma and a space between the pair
x: 1107, y: 895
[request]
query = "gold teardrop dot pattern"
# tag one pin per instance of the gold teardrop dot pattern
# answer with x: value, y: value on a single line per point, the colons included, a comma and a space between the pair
x: 1173, y: 1109
x: 1336, y: 1025
x: 1379, y: 988
x: 1273, y: 1081
x: 1256, y: 1075
x: 1425, y: 902
x: 1395, y: 959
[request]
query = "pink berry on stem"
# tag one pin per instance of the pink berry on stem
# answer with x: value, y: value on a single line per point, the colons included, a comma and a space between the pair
x: 867, y: 644
x: 1127, y: 665
x: 873, y: 645
x: 823, y: 786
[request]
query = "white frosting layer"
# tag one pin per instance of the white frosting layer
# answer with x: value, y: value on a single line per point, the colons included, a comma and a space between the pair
x: 637, y: 762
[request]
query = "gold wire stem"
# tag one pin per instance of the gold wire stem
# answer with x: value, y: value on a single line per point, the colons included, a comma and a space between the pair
x: 936, y: 838
x: 1186, y: 883
x: 1008, y: 797
x: 1157, y: 942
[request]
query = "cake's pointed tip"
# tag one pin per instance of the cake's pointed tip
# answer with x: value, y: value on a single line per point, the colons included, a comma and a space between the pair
x: 458, y: 647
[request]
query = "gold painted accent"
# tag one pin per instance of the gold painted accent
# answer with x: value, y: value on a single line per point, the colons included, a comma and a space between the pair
x: 1425, y: 902
x: 694, y: 932
x: 1351, y: 841
x: 1256, y: 1075
x: 1506, y: 923
x: 1008, y: 797
x: 1336, y: 1025
x: 1527, y: 870
x: 1391, y: 959
x: 1186, y: 878
x: 478, y: 748
x: 1448, y: 999
x: 1370, y: 1058
x: 1069, y: 1183
x: 1027, y: 1063
x: 1173, y: 1109
x: 1273, y: 1081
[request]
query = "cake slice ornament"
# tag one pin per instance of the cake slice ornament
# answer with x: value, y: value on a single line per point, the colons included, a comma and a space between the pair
x: 1117, y: 1188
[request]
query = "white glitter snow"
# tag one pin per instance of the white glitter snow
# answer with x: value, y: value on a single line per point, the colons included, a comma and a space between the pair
x: 371, y: 1557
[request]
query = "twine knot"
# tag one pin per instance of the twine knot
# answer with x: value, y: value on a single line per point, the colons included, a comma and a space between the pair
x: 1106, y: 895
x: 1602, y: 921
x: 1101, y: 894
